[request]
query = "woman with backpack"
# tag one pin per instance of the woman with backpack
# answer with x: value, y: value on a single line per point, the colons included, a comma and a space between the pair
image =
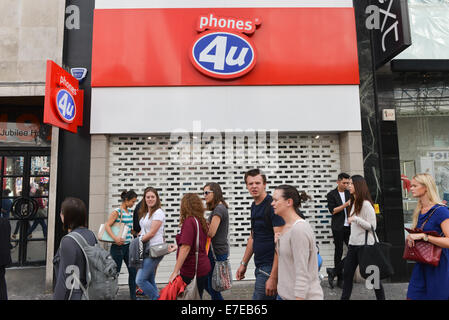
x: 298, y: 277
x: 192, y: 223
x: 120, y: 247
x: 70, y: 257
x: 218, y: 231
x: 151, y: 220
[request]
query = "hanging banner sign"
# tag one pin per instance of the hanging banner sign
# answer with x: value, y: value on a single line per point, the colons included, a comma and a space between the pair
x: 63, y: 106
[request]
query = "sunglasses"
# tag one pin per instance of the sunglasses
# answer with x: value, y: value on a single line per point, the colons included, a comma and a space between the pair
x: 207, y: 192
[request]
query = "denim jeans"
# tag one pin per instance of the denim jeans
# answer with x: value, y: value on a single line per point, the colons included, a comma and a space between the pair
x: 262, y: 274
x: 146, y: 277
x: 215, y: 295
x: 120, y: 254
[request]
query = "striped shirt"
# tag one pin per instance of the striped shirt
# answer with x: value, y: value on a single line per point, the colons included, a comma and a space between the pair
x: 127, y: 219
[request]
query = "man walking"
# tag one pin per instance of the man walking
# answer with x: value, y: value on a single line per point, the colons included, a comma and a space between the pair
x: 264, y: 225
x: 337, y: 203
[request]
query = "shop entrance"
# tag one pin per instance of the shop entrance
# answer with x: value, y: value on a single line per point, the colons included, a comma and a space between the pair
x: 25, y: 176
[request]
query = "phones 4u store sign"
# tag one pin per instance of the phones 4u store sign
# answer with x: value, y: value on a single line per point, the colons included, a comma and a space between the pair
x: 164, y: 78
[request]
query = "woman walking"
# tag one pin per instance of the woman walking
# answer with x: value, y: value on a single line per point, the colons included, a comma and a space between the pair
x: 361, y: 218
x: 218, y: 231
x: 120, y: 247
x: 192, y: 222
x: 429, y: 282
x: 296, y: 247
x: 74, y: 219
x: 151, y: 220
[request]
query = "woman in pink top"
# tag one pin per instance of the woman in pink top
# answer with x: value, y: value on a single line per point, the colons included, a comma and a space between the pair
x: 296, y: 247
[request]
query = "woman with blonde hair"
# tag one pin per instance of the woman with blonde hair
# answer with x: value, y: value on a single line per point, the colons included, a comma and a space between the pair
x: 192, y: 222
x: 429, y: 282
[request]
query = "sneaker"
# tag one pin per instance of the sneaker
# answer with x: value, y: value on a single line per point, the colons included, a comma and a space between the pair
x: 139, y: 292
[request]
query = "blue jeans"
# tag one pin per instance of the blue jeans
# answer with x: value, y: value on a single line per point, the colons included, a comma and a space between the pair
x: 120, y: 254
x: 36, y: 222
x: 262, y: 274
x: 146, y: 277
x: 215, y: 295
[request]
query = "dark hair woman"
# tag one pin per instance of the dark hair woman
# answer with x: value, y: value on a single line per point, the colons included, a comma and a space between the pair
x: 151, y: 219
x: 218, y: 231
x: 70, y: 256
x: 120, y: 247
x: 192, y: 223
x: 361, y: 218
x: 297, y: 251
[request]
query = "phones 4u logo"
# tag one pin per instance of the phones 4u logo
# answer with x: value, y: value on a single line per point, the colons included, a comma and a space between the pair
x: 382, y: 18
x: 223, y: 49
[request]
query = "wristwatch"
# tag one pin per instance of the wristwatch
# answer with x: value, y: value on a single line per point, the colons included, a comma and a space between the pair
x: 426, y: 237
x: 243, y: 263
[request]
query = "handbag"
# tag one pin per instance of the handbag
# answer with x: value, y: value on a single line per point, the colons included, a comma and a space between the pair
x: 221, y: 275
x: 191, y: 291
x: 119, y: 229
x: 377, y: 254
x: 158, y: 250
x: 423, y: 251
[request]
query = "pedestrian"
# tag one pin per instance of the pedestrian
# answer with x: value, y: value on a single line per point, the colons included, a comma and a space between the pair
x: 5, y: 255
x: 120, y: 247
x: 362, y: 218
x: 338, y: 203
x: 264, y: 225
x: 70, y: 257
x: 40, y: 216
x: 5, y: 211
x: 192, y: 209
x: 218, y: 230
x: 152, y: 220
x: 296, y: 248
x: 428, y: 282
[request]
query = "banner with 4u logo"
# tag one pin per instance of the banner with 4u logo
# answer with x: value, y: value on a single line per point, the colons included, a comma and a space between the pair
x: 260, y: 45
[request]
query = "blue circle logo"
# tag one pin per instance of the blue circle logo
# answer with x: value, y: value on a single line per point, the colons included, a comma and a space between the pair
x: 65, y: 104
x: 223, y: 55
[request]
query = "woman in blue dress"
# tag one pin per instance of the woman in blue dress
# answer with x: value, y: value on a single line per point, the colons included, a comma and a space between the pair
x: 429, y: 282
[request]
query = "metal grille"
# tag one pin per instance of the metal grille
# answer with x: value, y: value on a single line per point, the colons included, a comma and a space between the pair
x: 309, y: 162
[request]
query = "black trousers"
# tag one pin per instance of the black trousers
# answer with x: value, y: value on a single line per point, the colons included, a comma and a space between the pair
x: 3, y: 291
x: 351, y: 263
x: 340, y: 236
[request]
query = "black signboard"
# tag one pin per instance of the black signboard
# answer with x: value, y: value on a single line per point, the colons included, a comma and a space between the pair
x: 390, y: 25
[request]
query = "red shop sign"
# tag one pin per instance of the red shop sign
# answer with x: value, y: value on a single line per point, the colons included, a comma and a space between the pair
x: 63, y: 106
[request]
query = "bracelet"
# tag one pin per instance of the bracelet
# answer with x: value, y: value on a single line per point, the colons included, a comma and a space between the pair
x: 243, y: 263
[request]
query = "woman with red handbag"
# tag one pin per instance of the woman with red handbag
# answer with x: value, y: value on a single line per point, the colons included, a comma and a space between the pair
x: 429, y: 282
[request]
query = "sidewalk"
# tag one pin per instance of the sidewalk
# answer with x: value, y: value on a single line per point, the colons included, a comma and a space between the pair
x: 29, y: 284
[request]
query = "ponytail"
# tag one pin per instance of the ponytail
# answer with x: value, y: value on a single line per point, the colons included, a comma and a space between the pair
x: 128, y: 195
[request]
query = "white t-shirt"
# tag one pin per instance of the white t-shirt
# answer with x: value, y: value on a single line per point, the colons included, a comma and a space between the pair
x: 145, y: 226
x: 343, y: 199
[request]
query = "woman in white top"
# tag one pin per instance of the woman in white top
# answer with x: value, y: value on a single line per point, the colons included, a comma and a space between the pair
x: 296, y: 247
x: 151, y: 220
x: 361, y: 217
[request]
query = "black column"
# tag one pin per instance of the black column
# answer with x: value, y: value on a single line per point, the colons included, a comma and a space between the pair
x: 380, y: 147
x: 74, y: 149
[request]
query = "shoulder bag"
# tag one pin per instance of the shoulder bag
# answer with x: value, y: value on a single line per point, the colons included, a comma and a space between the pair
x: 119, y: 229
x: 222, y: 274
x: 191, y: 290
x: 375, y: 255
x: 423, y: 251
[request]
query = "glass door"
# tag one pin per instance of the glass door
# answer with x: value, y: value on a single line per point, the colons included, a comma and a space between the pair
x: 25, y: 177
